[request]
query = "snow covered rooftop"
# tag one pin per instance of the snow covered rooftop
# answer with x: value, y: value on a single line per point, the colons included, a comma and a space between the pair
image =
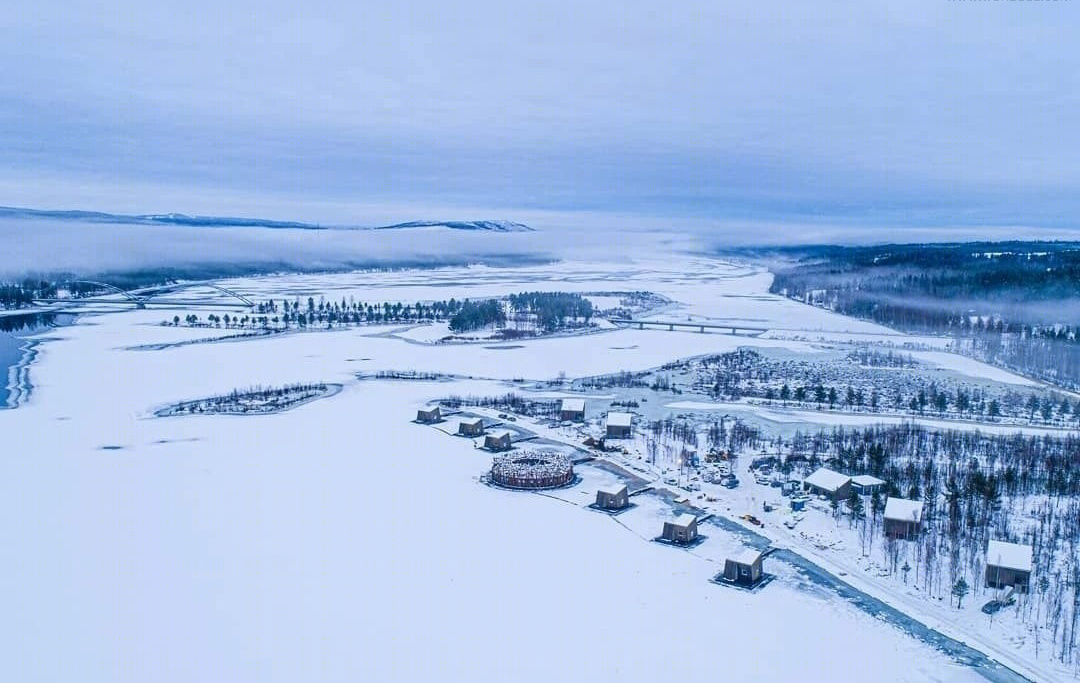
x: 867, y: 480
x: 573, y: 404
x: 502, y: 433
x: 684, y: 520
x: 1009, y: 555
x: 827, y: 479
x: 903, y: 510
x: 619, y: 419
x: 748, y: 556
x: 612, y: 489
x: 472, y: 422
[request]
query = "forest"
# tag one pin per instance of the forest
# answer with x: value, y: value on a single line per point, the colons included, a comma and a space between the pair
x: 868, y: 380
x: 1014, y: 304
x: 974, y: 487
x: 23, y: 294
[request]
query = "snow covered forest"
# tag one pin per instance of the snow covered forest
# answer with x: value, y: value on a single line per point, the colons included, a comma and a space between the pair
x: 866, y: 380
x: 974, y: 488
x: 1013, y: 304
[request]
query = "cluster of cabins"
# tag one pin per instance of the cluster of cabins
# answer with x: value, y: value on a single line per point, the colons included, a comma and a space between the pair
x: 617, y: 425
x: 1008, y: 565
x: 497, y: 441
x: 902, y: 517
x: 744, y: 569
x: 472, y: 427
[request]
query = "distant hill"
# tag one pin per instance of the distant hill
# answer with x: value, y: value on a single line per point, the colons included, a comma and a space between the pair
x: 489, y: 226
x: 155, y: 219
x: 232, y: 221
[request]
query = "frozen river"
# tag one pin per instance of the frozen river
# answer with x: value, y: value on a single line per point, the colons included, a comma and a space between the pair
x: 340, y: 541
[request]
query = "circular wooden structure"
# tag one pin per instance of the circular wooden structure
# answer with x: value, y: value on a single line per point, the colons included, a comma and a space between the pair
x: 532, y: 470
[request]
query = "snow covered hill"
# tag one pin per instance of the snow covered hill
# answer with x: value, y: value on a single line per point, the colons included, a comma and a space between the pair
x: 490, y: 226
x: 153, y: 219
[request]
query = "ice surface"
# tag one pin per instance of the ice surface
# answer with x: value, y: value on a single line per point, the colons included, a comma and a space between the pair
x: 340, y: 541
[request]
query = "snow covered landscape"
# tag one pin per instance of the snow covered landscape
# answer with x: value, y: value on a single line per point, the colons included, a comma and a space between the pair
x: 489, y: 342
x: 340, y: 530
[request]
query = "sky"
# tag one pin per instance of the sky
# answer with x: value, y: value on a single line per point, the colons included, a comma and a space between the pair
x: 921, y: 114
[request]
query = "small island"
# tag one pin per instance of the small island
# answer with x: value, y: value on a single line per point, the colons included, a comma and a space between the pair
x: 254, y: 401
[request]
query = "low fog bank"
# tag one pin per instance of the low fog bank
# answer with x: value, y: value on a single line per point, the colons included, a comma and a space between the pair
x: 40, y: 246
x: 36, y: 246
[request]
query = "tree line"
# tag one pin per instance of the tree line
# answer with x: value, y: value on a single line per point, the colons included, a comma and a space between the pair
x: 534, y: 311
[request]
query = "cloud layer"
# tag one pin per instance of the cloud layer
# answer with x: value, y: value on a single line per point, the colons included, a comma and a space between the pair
x: 920, y: 113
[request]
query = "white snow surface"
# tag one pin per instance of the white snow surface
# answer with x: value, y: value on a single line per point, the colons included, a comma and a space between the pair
x: 611, y: 489
x: 827, y: 479
x: 619, y: 419
x: 903, y: 510
x: 972, y: 367
x: 341, y: 542
x: 1009, y: 555
x: 748, y: 556
x: 684, y: 520
x: 573, y: 404
x: 867, y: 480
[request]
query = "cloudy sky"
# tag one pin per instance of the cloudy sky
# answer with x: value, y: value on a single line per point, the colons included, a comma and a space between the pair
x: 917, y: 113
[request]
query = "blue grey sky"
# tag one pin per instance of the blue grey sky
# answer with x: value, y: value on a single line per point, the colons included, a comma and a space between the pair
x: 919, y: 113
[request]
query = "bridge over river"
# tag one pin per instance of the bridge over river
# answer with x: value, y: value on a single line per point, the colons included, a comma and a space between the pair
x: 702, y: 327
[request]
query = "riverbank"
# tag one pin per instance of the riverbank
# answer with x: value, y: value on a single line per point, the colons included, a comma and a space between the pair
x: 19, y: 342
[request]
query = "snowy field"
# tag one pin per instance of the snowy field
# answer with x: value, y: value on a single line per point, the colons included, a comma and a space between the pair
x: 807, y: 419
x: 340, y: 541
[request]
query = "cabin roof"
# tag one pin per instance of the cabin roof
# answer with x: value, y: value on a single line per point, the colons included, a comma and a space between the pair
x: 747, y: 556
x: 1009, y: 555
x: 684, y: 520
x: 903, y: 510
x: 619, y: 419
x: 827, y: 479
x: 612, y: 489
x: 867, y: 480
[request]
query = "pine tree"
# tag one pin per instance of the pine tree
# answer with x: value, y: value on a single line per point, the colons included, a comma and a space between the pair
x: 959, y: 590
